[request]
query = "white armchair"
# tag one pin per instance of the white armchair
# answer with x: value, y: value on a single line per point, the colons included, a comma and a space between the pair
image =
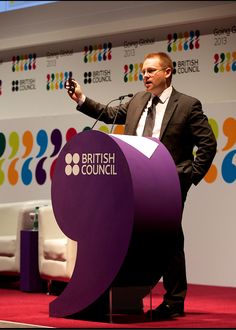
x: 14, y: 217
x: 57, y: 252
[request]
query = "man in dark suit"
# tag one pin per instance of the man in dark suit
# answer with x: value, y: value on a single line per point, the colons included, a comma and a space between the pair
x: 181, y: 125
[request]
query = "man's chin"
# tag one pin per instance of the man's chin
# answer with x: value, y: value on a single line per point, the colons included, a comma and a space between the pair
x: 148, y: 88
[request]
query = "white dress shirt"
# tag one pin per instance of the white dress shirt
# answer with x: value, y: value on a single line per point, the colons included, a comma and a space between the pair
x: 160, y: 111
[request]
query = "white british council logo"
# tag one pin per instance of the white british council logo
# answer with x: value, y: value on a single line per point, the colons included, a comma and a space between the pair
x: 72, y: 166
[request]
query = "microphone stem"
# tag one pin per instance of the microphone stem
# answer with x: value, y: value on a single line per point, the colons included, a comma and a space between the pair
x: 121, y: 98
x: 100, y: 114
x: 105, y: 108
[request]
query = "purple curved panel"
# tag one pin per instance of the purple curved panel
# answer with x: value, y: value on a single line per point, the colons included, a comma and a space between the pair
x: 112, y: 199
x: 157, y: 213
x: 93, y: 210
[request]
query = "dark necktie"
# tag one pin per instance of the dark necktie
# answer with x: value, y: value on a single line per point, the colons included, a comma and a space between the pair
x: 150, y: 120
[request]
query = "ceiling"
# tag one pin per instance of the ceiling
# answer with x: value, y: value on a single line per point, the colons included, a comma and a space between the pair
x: 71, y: 14
x: 67, y: 19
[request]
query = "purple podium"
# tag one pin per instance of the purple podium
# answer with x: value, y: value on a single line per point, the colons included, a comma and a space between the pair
x: 119, y: 197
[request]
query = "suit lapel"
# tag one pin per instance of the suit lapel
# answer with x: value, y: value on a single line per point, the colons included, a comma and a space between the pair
x: 171, y: 106
x: 138, y: 110
x: 142, y: 105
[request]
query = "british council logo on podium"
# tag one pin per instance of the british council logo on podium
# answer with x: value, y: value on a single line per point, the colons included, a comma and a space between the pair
x: 72, y: 167
x: 90, y: 164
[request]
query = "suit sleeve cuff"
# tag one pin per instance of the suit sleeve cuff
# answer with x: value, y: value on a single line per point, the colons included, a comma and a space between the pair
x: 81, y: 101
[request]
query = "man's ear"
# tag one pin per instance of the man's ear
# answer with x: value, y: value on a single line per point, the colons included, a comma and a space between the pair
x: 168, y: 72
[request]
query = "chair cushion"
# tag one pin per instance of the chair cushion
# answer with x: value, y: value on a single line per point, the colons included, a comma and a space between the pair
x: 8, y: 265
x: 55, y: 249
x: 7, y: 245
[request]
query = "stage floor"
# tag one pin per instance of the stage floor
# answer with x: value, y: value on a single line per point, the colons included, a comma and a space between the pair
x: 205, y: 307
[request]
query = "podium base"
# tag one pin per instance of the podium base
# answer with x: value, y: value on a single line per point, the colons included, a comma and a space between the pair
x: 117, y: 303
x: 128, y: 300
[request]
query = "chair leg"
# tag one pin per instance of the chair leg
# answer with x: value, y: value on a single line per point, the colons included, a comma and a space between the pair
x: 110, y: 305
x: 49, y: 284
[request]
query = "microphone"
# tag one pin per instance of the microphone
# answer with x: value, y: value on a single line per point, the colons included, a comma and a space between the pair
x: 126, y: 95
x: 119, y: 98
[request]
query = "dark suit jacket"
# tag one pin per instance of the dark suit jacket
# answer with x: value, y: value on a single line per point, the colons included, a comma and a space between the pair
x: 184, y: 126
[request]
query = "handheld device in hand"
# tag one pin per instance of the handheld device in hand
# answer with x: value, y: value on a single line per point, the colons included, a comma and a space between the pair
x: 70, y: 85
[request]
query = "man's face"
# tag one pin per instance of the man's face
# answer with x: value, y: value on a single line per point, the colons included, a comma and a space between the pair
x: 155, y: 75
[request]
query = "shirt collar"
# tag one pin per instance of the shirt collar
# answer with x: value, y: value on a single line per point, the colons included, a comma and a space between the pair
x: 165, y: 95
